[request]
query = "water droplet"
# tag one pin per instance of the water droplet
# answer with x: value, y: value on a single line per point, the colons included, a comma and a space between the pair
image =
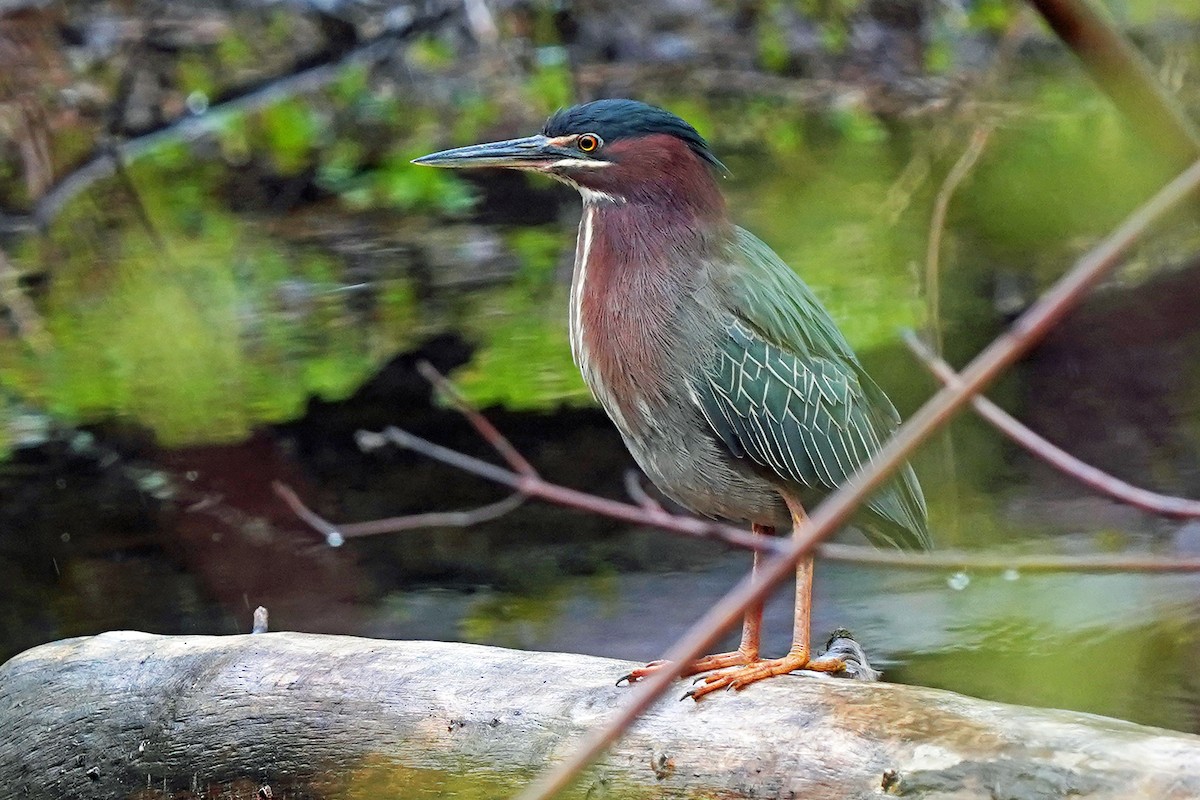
x: 1011, y: 574
x: 958, y: 581
x: 197, y: 102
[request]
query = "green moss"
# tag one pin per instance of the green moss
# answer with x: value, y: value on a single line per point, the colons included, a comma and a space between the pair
x: 772, y: 46
x: 1068, y: 168
x: 291, y: 132
x: 190, y: 340
x: 524, y: 359
x: 432, y: 53
x: 386, y: 776
x: 195, y: 74
x: 549, y: 87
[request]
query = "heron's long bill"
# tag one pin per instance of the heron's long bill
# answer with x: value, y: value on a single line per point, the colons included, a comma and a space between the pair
x: 530, y: 152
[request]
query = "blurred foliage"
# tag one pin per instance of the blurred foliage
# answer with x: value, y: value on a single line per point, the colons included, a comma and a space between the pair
x: 831, y: 191
x: 200, y: 331
x: 508, y: 620
x: 524, y: 360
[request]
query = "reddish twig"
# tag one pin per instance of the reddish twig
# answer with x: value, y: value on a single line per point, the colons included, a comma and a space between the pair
x: 535, y: 486
x: 836, y: 510
x: 336, y: 535
x: 1161, y: 504
x: 998, y: 562
x: 481, y: 423
x: 937, y: 225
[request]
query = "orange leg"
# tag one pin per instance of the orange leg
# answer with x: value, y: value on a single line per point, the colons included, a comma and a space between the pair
x: 739, y: 677
x: 747, y: 652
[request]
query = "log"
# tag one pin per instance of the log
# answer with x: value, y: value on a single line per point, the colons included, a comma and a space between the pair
x: 294, y: 715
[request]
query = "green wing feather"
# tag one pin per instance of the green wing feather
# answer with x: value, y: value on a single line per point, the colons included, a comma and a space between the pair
x: 787, y: 392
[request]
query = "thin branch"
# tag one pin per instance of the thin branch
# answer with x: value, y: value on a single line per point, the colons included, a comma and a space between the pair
x: 1097, y: 479
x: 436, y: 519
x: 997, y: 562
x: 25, y: 317
x: 247, y: 99
x: 535, y: 486
x: 333, y: 536
x: 654, y: 515
x: 481, y: 423
x: 336, y: 535
x: 135, y: 197
x: 937, y: 225
x: 1124, y: 75
x: 836, y: 510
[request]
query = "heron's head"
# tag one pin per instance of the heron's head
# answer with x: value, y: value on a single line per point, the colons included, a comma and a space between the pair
x: 611, y: 150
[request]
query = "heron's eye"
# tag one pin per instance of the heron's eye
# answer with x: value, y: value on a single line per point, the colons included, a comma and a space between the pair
x: 588, y: 142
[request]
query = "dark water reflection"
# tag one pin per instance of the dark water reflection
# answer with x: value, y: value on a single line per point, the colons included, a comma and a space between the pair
x: 214, y: 543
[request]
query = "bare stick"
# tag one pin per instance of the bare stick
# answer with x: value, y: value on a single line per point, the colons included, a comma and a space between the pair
x: 1123, y: 74
x: 650, y: 513
x: 995, y: 562
x: 534, y: 486
x: 246, y: 99
x: 481, y: 423
x: 937, y: 225
x: 839, y: 506
x: 335, y: 535
x: 1101, y: 481
x: 25, y: 317
x: 139, y: 208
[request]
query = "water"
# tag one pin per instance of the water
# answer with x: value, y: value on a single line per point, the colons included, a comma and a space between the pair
x: 225, y: 342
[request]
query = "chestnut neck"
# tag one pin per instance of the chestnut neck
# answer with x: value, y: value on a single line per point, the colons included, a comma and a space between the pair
x: 659, y: 176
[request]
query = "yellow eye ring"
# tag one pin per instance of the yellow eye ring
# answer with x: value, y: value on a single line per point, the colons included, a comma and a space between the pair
x: 588, y: 142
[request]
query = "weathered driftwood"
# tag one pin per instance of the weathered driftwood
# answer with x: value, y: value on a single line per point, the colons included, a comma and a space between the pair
x: 134, y: 715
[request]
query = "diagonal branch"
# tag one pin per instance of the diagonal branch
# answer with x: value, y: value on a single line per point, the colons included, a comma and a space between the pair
x: 937, y: 224
x: 836, y: 510
x: 1155, y: 503
x: 999, y: 562
x: 306, y: 78
x: 481, y: 423
x: 1124, y: 75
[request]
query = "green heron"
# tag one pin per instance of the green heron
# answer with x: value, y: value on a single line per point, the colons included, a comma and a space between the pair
x: 731, y: 385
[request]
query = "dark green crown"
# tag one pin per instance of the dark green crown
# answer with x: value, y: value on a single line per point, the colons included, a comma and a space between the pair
x: 618, y: 119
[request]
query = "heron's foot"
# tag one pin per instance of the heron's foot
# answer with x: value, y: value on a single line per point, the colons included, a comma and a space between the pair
x: 739, y: 677
x: 707, y: 663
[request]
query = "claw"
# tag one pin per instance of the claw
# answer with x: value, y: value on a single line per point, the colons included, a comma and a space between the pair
x: 624, y: 679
